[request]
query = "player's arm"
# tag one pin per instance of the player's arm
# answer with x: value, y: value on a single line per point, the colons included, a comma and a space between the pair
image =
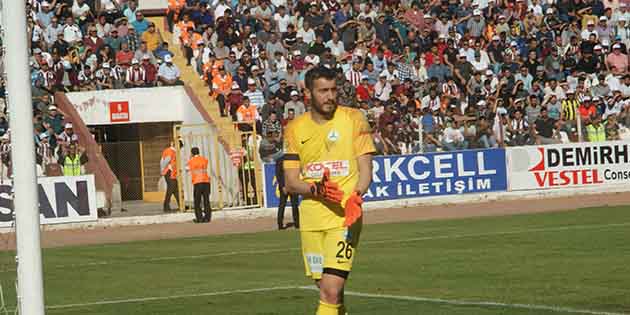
x: 294, y: 185
x: 291, y: 163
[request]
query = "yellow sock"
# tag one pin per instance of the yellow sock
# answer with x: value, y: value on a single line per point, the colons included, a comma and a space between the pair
x: 328, y: 309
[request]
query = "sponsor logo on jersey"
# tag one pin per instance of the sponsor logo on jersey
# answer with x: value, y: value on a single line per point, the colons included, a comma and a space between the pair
x: 337, y: 168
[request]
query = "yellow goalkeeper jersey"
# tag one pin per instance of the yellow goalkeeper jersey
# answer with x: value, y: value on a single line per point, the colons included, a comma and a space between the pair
x: 335, y: 145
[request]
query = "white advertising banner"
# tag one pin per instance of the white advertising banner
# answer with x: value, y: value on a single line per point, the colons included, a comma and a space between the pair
x: 139, y: 105
x: 61, y: 200
x: 153, y: 5
x: 568, y: 165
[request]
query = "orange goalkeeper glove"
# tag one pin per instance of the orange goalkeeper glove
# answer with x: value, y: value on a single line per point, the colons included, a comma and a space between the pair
x: 327, y: 189
x: 353, y: 209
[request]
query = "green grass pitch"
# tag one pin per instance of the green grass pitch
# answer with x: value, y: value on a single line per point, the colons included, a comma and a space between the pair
x: 575, y: 262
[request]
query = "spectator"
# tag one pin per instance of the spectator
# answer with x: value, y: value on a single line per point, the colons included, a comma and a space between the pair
x: 124, y: 55
x: 87, y: 79
x: 93, y: 41
x: 150, y: 71
x: 255, y: 95
x: 234, y: 100
x: 295, y: 105
x: 140, y: 24
x: 453, y: 137
x: 221, y: 87
x: 382, y: 89
x: 168, y: 74
x: 130, y: 12
x: 247, y: 115
x: 152, y: 37
x: 105, y: 77
x: 545, y: 129
x: 67, y: 137
x: 135, y: 76
x: 617, y: 62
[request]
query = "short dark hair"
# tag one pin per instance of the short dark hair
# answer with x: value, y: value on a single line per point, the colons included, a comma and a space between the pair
x: 318, y: 73
x: 194, y: 151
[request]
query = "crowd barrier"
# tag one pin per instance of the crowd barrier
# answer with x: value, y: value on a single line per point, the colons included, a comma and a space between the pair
x: 61, y: 200
x: 491, y: 170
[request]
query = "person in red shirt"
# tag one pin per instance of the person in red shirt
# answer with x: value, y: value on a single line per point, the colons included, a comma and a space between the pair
x: 234, y: 100
x: 124, y: 55
x: 290, y: 117
x: 92, y: 40
x: 365, y: 91
x: 150, y: 71
x: 587, y: 109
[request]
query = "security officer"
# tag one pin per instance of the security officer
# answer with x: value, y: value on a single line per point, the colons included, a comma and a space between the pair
x: 168, y: 166
x: 283, y: 198
x: 72, y: 159
x: 198, y: 168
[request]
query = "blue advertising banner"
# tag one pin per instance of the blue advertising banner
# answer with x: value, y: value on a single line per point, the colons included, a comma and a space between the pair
x: 424, y: 175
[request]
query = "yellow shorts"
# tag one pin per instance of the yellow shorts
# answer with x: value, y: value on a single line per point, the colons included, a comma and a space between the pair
x: 333, y: 249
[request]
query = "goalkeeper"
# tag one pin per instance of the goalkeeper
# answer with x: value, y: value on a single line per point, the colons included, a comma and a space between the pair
x: 328, y: 160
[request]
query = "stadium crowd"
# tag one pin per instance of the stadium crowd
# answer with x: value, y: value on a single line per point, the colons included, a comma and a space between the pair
x: 445, y: 74
x: 428, y: 75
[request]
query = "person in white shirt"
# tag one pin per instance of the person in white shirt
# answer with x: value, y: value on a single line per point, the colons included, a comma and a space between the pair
x: 613, y: 82
x: 479, y: 63
x: 282, y: 19
x: 553, y: 88
x: 382, y: 88
x: 536, y: 9
x: 392, y: 73
x: 102, y: 27
x: 80, y: 10
x: 219, y: 11
x: 52, y: 31
x: 432, y: 100
x: 72, y: 31
x: 468, y: 51
x: 590, y: 29
x: 307, y: 33
x: 453, y: 139
x: 336, y: 46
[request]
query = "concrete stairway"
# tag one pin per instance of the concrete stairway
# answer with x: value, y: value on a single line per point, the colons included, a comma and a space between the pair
x: 200, y: 88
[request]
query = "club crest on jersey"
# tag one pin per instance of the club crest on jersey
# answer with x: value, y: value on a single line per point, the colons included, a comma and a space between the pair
x: 333, y: 136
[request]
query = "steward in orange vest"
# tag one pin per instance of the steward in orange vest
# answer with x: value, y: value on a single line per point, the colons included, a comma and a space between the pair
x: 175, y: 9
x: 168, y: 169
x: 221, y: 87
x: 198, y: 168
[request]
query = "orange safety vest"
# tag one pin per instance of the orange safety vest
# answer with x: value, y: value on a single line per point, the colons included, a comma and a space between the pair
x: 418, y: 104
x: 248, y: 113
x: 176, y: 5
x: 184, y: 26
x: 172, y: 165
x: 221, y: 85
x: 195, y: 38
x: 198, y: 167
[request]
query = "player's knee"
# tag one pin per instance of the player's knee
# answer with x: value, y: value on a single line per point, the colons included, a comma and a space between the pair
x: 330, y: 294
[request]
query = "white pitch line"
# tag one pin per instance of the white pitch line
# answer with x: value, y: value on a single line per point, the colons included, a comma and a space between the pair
x: 557, y: 309
x: 363, y: 243
x: 170, y: 297
x: 522, y: 231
